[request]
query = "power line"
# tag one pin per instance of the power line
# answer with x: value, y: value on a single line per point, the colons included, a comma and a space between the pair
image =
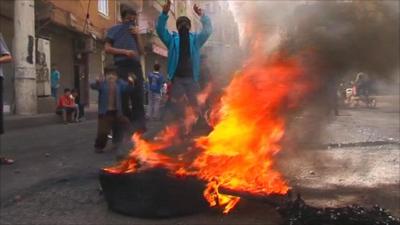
x: 86, y: 25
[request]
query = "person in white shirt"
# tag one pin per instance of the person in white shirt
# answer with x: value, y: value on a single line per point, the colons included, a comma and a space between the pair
x: 5, y: 57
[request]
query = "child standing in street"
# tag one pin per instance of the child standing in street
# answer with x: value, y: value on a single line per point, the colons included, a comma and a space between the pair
x: 156, y: 82
x: 110, y: 115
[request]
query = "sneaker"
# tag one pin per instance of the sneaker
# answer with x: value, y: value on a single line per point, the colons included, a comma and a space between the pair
x: 6, y: 161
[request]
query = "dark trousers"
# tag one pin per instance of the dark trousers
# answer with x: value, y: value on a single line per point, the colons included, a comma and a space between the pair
x: 107, y: 122
x: 1, y: 106
x: 183, y: 95
x: 81, y: 110
x: 68, y: 114
x: 133, y: 102
x: 181, y: 88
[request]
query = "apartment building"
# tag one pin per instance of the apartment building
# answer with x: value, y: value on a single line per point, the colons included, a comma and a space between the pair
x: 70, y: 34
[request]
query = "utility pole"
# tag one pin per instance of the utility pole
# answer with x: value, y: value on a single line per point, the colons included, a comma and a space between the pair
x: 24, y: 56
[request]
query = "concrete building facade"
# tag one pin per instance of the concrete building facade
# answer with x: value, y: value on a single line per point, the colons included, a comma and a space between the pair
x: 75, y: 31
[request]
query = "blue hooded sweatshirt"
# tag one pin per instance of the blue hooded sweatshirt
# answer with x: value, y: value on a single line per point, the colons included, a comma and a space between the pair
x: 103, y: 87
x: 171, y: 40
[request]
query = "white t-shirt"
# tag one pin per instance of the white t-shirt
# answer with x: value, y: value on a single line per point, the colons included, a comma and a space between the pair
x: 3, y: 51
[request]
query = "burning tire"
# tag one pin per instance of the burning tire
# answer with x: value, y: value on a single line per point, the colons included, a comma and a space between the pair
x: 152, y: 194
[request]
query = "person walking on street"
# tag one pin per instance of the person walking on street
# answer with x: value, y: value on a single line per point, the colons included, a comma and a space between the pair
x: 184, y: 57
x: 54, y: 80
x: 5, y: 57
x: 123, y: 41
x: 111, y: 89
x: 156, y: 82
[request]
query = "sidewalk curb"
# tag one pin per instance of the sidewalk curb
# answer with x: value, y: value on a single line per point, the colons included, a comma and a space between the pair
x: 22, y: 122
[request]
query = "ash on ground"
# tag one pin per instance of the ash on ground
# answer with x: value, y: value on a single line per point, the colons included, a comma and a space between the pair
x: 297, y: 212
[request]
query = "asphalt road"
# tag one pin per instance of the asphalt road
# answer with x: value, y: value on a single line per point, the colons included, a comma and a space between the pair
x: 54, y: 179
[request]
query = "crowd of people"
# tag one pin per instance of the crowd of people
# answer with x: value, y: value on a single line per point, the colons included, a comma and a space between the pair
x: 122, y: 86
x: 121, y: 91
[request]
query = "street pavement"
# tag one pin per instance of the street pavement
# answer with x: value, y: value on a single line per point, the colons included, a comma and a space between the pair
x: 55, y: 177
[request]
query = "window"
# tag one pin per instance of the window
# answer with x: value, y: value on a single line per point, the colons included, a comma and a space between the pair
x: 103, y: 7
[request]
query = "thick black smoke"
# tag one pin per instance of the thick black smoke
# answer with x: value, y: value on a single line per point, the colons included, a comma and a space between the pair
x: 348, y: 36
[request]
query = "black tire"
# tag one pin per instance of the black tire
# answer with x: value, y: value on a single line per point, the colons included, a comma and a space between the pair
x: 153, y: 194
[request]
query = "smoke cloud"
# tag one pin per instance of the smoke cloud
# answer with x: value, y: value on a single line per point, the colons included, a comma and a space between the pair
x: 341, y: 38
x: 344, y: 35
x: 337, y: 40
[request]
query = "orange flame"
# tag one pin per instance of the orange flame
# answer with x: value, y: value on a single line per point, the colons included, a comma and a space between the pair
x: 239, y: 152
x: 215, y: 198
x: 203, y: 95
x: 248, y: 125
x: 191, y: 117
x: 147, y: 154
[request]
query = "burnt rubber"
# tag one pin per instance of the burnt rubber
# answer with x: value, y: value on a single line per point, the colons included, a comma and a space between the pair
x: 153, y: 194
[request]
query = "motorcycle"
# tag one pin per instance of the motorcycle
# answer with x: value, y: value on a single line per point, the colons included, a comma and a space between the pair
x: 354, y: 98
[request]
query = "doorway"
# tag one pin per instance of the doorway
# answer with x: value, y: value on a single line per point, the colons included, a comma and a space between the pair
x: 81, y: 72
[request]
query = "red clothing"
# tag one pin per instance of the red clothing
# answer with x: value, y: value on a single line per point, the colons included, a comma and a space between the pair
x: 168, y: 90
x: 66, y: 101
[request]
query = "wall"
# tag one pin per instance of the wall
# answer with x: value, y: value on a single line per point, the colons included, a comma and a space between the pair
x: 79, y: 8
x: 99, y: 24
x: 61, y: 49
x: 148, y: 18
x: 62, y: 46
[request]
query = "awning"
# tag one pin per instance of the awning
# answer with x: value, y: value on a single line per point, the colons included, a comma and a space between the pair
x: 160, y: 50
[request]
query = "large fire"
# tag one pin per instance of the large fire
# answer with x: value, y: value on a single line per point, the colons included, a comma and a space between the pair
x: 248, y: 125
